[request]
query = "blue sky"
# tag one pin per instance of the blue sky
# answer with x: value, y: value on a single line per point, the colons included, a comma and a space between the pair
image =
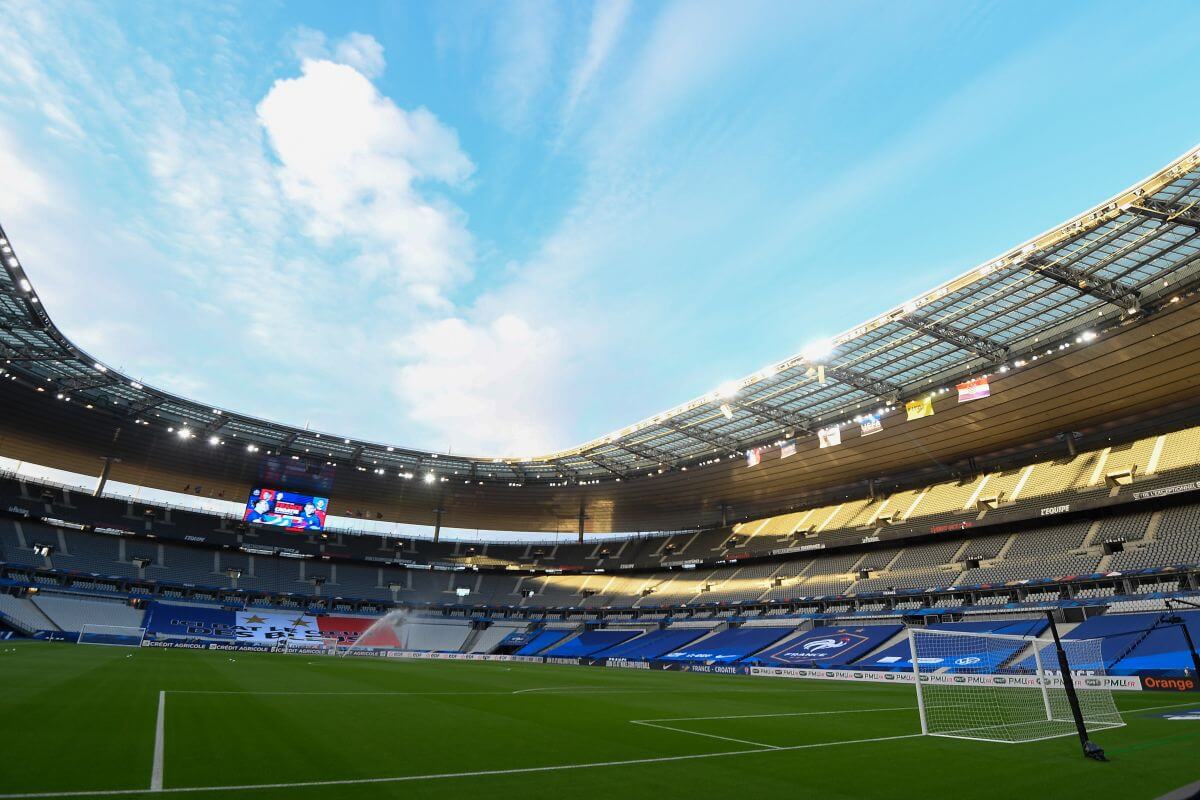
x: 510, y: 227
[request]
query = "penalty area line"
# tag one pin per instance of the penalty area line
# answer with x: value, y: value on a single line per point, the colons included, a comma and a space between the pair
x: 484, y: 773
x: 648, y: 724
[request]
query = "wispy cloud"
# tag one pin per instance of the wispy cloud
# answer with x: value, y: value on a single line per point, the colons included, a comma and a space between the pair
x: 523, y: 42
x: 608, y: 21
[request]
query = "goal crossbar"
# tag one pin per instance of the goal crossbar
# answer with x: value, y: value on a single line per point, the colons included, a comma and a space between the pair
x: 111, y: 635
x: 1007, y: 688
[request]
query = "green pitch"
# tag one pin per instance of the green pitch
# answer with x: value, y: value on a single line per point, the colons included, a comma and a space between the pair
x: 85, y: 719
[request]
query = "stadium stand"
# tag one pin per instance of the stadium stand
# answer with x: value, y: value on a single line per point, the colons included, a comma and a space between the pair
x: 437, y: 636
x: 828, y: 647
x: 70, y: 614
x: 542, y: 641
x: 590, y: 642
x: 654, y: 644
x: 728, y: 645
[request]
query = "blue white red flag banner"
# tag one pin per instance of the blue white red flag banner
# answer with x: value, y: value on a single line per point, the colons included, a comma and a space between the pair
x: 753, y: 458
x: 830, y: 436
x: 974, y: 389
x: 254, y: 626
x: 869, y: 425
x: 787, y: 449
x: 269, y: 627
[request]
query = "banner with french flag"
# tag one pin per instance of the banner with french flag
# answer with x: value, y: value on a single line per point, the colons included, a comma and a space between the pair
x: 256, y: 626
x: 974, y: 389
x: 270, y: 627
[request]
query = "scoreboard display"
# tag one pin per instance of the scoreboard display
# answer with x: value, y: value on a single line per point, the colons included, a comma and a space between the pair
x: 290, y: 510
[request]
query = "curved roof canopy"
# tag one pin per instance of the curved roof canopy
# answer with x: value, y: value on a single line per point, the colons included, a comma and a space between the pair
x: 1112, y: 261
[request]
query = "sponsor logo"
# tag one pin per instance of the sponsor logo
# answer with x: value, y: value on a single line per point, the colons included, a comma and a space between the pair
x: 711, y: 669
x: 176, y: 645
x: 1045, y: 512
x: 623, y: 663
x: 818, y: 646
x: 1166, y: 490
x: 1169, y: 684
x: 18, y: 510
x: 1186, y: 715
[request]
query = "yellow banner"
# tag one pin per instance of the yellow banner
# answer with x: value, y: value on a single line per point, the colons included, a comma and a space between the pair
x: 919, y: 408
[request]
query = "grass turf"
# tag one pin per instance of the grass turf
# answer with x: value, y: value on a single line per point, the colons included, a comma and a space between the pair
x: 83, y: 719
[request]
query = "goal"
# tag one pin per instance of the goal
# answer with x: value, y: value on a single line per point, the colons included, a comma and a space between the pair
x: 118, y: 635
x: 314, y: 647
x: 1005, y: 688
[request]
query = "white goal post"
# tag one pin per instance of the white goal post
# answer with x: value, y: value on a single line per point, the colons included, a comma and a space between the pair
x: 315, y: 647
x: 115, y: 635
x: 1004, y: 688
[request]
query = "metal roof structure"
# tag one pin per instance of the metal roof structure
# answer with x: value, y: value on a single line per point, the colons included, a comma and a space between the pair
x: 1113, y: 262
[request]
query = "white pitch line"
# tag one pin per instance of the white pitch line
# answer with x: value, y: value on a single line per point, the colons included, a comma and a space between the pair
x: 156, y: 770
x: 1156, y: 708
x: 701, y: 733
x: 576, y: 689
x: 495, y: 693
x: 783, y: 714
x: 448, y: 775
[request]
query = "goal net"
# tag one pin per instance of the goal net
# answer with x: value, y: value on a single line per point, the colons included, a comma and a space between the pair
x: 1004, y: 688
x: 119, y: 635
x: 313, y: 647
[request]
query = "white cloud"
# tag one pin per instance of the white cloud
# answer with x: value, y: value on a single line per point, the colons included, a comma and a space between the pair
x: 489, y: 384
x: 357, y: 164
x: 362, y: 52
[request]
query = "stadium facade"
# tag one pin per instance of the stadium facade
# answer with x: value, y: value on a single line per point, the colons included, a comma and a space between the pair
x: 1086, y: 331
x: 1024, y: 437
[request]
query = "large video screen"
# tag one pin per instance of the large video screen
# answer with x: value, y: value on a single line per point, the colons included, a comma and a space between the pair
x: 280, y: 509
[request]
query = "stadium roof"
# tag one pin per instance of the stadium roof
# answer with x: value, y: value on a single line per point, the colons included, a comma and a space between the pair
x: 1113, y: 262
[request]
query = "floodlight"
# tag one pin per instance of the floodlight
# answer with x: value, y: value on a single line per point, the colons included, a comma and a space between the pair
x: 818, y: 351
